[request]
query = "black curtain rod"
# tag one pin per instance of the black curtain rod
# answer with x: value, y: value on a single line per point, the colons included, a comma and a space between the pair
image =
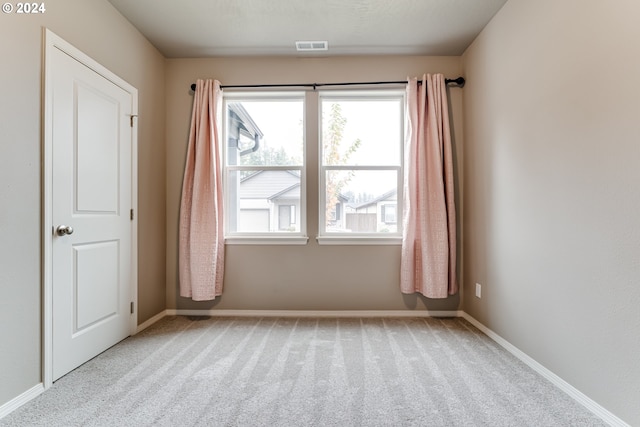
x: 458, y: 82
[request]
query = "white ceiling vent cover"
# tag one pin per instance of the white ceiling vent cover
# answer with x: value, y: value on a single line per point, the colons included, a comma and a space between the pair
x: 307, y: 46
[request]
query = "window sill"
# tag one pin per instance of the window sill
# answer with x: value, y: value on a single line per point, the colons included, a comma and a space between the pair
x: 359, y: 240
x: 266, y: 240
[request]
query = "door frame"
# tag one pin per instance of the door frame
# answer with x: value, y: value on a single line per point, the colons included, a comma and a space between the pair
x: 51, y: 42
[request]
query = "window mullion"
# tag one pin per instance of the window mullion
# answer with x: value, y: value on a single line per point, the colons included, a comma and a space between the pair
x: 359, y: 167
x: 267, y: 167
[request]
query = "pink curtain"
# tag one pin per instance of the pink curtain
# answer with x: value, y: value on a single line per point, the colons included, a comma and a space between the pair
x: 201, y: 252
x: 428, y: 263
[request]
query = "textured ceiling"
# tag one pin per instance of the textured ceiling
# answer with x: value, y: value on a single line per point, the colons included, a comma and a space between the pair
x: 205, y: 28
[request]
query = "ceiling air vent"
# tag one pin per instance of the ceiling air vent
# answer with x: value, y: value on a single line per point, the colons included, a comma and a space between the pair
x: 306, y: 46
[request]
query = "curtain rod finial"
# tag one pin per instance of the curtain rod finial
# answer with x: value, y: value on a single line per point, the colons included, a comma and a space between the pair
x: 460, y: 81
x: 193, y: 87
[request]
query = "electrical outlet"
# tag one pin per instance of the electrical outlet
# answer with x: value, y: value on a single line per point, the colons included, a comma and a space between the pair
x: 478, y: 290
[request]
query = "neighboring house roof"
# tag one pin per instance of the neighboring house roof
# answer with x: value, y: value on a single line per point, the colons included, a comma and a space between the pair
x: 242, y: 120
x: 378, y: 199
x: 287, y: 193
x: 343, y: 198
x: 274, y: 184
x: 267, y: 184
x: 246, y: 121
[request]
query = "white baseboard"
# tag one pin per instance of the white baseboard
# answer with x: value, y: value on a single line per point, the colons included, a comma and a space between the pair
x: 311, y: 313
x: 576, y: 394
x: 20, y: 400
x: 144, y: 325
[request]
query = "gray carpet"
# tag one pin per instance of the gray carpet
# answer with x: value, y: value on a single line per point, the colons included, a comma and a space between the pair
x: 304, y: 372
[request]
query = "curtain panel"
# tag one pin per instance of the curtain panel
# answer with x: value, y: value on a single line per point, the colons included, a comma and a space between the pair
x: 428, y: 263
x: 201, y: 232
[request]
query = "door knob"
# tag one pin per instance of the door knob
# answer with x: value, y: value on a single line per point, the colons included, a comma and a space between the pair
x: 64, y: 230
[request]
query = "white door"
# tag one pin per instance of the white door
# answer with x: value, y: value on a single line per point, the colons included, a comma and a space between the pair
x: 91, y: 202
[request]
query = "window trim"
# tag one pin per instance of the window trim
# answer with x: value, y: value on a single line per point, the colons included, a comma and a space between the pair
x: 266, y: 239
x: 358, y: 240
x: 325, y: 237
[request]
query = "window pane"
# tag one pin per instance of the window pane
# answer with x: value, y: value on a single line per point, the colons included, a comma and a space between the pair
x: 265, y: 132
x: 263, y: 201
x: 361, y: 201
x: 361, y: 132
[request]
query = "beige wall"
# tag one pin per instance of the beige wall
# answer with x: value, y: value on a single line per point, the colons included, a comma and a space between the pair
x: 97, y: 29
x: 551, y: 177
x: 310, y: 277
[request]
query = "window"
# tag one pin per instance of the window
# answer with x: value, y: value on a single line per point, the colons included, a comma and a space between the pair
x: 264, y: 171
x: 356, y: 148
x: 361, y: 163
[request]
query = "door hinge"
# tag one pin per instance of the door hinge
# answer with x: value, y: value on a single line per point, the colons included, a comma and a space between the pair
x: 131, y: 117
x: 131, y: 214
x: 131, y: 307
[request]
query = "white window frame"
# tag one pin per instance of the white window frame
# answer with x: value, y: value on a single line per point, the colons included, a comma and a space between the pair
x: 341, y: 238
x: 272, y: 237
